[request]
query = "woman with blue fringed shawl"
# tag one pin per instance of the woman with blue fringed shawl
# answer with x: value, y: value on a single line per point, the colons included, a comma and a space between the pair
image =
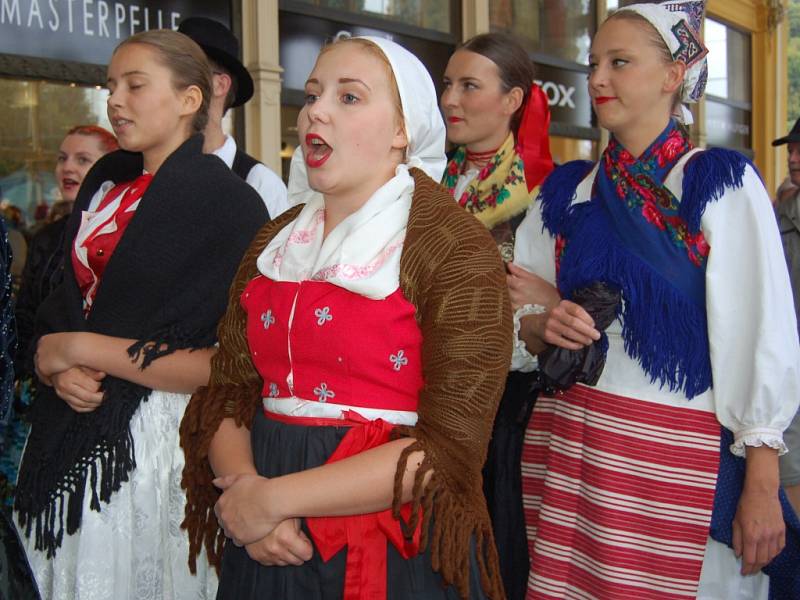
x: 658, y: 476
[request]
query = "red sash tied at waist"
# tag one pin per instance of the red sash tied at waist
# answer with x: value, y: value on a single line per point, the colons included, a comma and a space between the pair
x: 365, y: 535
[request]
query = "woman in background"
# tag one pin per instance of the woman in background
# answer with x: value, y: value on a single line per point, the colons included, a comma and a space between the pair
x: 44, y: 268
x: 499, y: 119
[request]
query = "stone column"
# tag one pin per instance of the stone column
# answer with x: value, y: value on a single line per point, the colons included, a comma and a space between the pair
x: 260, y: 56
x: 474, y: 18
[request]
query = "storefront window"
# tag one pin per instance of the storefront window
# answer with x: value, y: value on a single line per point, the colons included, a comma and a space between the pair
x: 561, y: 28
x: 728, y: 62
x: 426, y: 14
x: 35, y: 118
x: 564, y: 149
x: 729, y: 89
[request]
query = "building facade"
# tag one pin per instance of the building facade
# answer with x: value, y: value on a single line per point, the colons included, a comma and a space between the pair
x: 52, y: 55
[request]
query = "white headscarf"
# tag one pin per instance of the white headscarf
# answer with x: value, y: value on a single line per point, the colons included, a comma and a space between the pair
x: 425, y: 129
x: 679, y: 22
x: 362, y: 253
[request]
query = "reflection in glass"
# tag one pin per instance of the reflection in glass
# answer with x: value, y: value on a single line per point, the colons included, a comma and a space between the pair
x: 35, y: 118
x: 564, y: 149
x: 428, y: 14
x: 562, y: 28
x: 728, y: 62
x: 716, y: 38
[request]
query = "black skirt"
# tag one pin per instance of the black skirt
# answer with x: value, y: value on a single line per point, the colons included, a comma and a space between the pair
x: 502, y: 481
x: 279, y: 449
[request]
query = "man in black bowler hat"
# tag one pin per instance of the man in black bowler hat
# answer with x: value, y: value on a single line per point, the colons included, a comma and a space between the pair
x: 787, y: 209
x: 232, y: 86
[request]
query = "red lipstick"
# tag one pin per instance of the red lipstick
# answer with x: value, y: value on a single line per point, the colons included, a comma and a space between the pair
x: 454, y: 119
x: 603, y: 99
x: 317, y: 150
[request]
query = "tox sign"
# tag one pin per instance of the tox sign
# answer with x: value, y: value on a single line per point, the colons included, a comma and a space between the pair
x: 558, y: 94
x: 567, y: 94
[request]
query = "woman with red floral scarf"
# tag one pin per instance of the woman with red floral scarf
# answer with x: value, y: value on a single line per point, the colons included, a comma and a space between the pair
x: 658, y: 477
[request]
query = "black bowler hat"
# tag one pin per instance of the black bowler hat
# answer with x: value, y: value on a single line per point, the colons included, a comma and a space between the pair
x: 794, y: 135
x: 221, y: 46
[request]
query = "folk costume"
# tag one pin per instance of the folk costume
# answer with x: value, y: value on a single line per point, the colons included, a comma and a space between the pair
x: 331, y: 347
x: 498, y: 195
x: 631, y: 486
x: 98, y: 495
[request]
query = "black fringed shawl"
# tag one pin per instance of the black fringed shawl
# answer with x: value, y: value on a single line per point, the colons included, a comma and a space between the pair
x: 167, y: 286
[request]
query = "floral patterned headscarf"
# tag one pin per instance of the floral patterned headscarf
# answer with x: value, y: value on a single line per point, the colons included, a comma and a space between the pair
x: 678, y: 22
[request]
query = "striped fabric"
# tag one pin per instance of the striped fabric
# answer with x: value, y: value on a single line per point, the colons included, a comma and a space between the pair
x: 618, y: 494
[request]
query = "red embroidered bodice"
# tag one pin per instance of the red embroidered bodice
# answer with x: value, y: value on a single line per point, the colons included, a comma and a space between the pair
x: 317, y: 341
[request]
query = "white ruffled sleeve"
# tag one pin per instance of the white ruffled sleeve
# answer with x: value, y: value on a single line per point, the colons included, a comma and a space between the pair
x: 755, y: 358
x: 534, y: 251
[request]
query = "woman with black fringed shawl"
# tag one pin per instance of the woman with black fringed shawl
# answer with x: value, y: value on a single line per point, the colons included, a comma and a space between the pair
x: 152, y: 246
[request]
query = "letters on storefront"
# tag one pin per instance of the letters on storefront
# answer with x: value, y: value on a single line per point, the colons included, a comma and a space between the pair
x: 87, y: 31
x: 567, y: 94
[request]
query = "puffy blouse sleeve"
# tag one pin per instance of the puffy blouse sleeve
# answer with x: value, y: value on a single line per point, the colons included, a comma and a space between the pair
x: 535, y: 248
x: 534, y: 251
x: 755, y: 359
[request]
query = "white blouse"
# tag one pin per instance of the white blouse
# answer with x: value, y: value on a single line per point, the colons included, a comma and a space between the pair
x: 755, y: 355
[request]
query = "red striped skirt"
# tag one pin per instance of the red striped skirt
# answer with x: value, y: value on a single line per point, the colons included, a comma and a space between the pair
x: 618, y: 495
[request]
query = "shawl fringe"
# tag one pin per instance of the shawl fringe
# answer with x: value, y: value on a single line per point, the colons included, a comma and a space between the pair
x: 670, y: 342
x: 460, y: 294
x: 226, y: 396
x: 559, y: 191
x: 106, y: 466
x: 199, y: 425
x: 706, y: 176
x: 162, y: 343
x: 661, y: 328
x: 445, y: 532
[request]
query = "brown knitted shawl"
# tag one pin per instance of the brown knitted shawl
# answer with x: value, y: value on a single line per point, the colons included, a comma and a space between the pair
x: 451, y: 271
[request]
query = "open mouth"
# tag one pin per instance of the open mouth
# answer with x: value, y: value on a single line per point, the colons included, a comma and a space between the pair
x: 120, y: 124
x: 70, y: 184
x: 318, y: 151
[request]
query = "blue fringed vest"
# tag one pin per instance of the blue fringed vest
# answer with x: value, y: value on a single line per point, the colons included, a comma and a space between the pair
x: 633, y: 233
x: 664, y: 315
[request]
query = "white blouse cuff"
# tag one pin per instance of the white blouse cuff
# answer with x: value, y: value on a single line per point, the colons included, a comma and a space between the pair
x: 521, y: 359
x: 758, y: 436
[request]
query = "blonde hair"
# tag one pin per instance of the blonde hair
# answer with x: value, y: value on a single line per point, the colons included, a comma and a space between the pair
x: 186, y: 61
x: 375, y: 50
